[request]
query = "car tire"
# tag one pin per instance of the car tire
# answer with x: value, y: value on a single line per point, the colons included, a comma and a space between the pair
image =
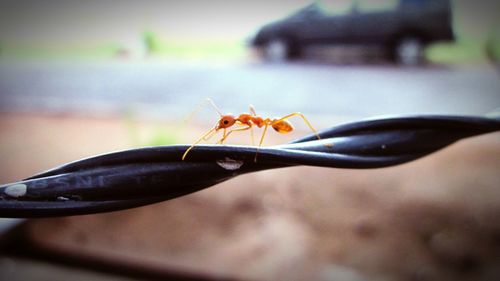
x: 277, y: 50
x: 409, y: 51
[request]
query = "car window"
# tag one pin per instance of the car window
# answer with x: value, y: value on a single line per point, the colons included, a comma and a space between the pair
x: 376, y: 5
x: 423, y: 3
x: 335, y: 7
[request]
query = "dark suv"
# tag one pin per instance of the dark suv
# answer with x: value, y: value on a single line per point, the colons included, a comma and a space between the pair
x: 403, y: 30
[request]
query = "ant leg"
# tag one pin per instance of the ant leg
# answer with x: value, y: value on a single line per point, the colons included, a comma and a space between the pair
x: 252, y: 111
x: 205, y: 136
x: 251, y: 135
x: 261, y: 140
x: 234, y: 130
x: 295, y: 114
x: 224, y: 136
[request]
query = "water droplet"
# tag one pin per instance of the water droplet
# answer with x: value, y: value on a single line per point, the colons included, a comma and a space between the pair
x: 230, y: 164
x: 16, y: 190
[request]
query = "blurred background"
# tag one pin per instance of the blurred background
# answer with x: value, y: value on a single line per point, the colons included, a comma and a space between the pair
x: 78, y: 78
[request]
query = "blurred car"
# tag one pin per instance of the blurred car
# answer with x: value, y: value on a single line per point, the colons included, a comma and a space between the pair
x: 403, y: 30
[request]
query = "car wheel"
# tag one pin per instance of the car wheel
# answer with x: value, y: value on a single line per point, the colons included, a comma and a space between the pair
x: 409, y: 51
x: 277, y: 50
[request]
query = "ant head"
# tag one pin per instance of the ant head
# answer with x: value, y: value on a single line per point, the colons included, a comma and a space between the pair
x: 226, y: 121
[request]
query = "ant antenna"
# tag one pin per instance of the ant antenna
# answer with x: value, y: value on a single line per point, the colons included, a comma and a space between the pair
x: 199, y: 107
x: 214, y: 106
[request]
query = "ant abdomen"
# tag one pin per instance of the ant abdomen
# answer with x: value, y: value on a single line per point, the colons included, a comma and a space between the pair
x: 282, y: 126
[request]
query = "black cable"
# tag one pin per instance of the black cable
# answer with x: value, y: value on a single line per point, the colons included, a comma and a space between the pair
x: 148, y: 175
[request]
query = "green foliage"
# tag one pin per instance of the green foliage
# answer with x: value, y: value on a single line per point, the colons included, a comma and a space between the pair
x: 151, y: 42
x: 476, y: 40
x: 199, y: 49
x: 492, y: 45
x: 467, y: 50
x: 162, y: 136
x: 155, y: 136
x: 462, y: 51
x: 61, y: 51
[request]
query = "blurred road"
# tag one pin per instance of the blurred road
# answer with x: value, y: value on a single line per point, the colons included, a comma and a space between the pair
x: 173, y: 89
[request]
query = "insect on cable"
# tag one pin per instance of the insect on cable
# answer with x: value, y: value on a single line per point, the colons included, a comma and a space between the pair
x: 136, y: 177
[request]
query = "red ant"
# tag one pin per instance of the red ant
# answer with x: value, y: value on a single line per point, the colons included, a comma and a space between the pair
x: 248, y: 120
